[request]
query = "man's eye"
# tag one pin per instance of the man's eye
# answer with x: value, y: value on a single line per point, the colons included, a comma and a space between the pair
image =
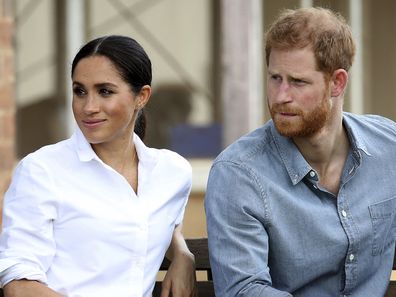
x: 276, y: 77
x: 298, y: 81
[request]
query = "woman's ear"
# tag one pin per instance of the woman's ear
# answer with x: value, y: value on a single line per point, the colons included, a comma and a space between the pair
x: 143, y: 96
x: 338, y: 82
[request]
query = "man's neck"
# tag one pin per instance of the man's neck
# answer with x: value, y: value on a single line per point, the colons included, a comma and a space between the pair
x: 326, y: 152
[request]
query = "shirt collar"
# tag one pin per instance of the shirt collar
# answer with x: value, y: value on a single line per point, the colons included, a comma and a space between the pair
x: 84, y: 150
x: 297, y: 167
x: 147, y: 156
x: 358, y: 143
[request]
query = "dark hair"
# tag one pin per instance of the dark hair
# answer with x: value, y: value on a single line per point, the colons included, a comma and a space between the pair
x: 130, y: 60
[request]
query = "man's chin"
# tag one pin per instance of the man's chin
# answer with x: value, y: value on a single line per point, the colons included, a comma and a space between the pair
x: 287, y: 132
x: 287, y: 128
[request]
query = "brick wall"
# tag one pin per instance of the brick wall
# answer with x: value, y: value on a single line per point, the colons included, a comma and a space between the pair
x: 7, y: 96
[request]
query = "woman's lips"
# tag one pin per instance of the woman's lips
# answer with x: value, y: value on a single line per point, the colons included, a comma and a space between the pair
x: 92, y: 123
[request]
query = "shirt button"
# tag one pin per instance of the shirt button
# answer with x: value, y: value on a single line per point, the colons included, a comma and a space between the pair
x: 343, y: 213
x: 351, y: 257
x: 312, y: 173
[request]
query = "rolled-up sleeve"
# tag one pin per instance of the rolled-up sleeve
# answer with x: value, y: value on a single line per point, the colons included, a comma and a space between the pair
x: 237, y: 213
x: 27, y: 245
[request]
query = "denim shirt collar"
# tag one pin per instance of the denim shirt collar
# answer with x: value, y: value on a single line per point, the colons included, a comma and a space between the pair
x: 297, y: 167
x: 358, y: 142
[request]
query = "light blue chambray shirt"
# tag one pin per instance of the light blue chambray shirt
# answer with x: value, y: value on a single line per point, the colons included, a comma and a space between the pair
x: 273, y: 231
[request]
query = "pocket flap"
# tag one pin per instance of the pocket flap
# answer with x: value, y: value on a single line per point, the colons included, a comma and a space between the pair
x: 383, y: 209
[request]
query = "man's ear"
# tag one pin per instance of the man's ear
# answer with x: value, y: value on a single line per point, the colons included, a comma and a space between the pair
x: 143, y: 96
x: 338, y: 82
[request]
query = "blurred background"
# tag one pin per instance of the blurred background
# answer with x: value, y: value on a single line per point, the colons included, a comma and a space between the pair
x: 208, y: 71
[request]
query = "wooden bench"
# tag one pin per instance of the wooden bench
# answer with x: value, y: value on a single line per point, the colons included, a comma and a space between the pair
x: 392, y: 285
x: 199, y: 247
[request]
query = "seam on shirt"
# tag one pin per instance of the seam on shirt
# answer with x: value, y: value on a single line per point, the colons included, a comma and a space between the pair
x: 254, y: 177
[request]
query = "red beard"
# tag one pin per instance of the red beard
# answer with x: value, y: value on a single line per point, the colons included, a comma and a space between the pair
x: 302, y: 124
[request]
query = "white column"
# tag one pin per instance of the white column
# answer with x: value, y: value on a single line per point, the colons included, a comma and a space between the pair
x: 75, y: 28
x: 242, y: 67
x: 356, y: 72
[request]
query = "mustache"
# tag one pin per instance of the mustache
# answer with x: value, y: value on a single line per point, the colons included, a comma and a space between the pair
x: 281, y: 108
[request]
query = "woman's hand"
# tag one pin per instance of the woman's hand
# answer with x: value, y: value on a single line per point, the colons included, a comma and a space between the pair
x: 28, y: 288
x: 180, y: 279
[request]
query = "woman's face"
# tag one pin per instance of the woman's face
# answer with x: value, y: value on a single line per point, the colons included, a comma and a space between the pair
x: 104, y: 105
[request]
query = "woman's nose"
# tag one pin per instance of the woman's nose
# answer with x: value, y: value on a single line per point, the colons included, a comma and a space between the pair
x: 91, y: 105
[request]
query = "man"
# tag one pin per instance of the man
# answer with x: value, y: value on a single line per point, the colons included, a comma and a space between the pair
x: 306, y: 204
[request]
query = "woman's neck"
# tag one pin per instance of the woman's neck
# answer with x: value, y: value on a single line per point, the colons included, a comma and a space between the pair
x: 122, y: 157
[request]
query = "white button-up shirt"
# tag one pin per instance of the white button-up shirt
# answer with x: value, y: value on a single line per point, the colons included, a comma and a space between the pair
x: 74, y: 223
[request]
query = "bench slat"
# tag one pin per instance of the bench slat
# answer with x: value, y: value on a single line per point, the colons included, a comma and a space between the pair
x: 199, y: 247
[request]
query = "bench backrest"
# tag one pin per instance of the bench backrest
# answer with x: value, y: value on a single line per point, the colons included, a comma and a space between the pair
x: 199, y: 247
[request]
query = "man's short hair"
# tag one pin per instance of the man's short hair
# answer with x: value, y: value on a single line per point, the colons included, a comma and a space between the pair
x: 326, y: 32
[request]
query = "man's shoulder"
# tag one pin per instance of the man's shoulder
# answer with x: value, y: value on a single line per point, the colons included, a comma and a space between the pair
x: 370, y: 123
x: 372, y: 133
x: 248, y: 146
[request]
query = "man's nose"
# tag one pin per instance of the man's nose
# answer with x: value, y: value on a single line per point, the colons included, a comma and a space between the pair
x: 284, y: 93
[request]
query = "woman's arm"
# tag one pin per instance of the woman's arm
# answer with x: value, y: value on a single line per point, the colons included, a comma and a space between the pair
x: 180, y: 279
x: 28, y: 288
x: 27, y: 244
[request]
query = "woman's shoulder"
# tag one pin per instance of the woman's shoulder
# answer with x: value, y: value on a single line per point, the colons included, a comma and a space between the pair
x: 50, y: 154
x: 172, y: 160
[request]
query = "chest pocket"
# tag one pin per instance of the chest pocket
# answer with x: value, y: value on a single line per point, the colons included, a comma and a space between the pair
x: 384, y: 224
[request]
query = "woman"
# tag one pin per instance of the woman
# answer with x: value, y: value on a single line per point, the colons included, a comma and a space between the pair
x: 94, y: 215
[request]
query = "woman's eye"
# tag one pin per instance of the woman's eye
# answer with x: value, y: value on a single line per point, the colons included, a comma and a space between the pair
x: 105, y: 92
x: 78, y: 91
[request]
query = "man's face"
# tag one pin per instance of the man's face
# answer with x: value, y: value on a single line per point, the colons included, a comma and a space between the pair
x: 298, y: 94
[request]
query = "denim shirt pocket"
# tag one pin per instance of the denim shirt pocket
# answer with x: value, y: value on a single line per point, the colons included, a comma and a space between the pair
x: 384, y: 224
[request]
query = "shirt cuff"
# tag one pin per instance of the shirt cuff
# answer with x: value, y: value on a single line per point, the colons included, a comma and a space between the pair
x: 21, y: 271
